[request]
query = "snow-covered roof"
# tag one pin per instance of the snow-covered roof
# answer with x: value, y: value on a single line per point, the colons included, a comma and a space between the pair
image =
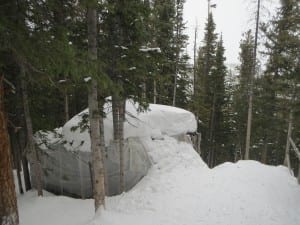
x: 156, y: 121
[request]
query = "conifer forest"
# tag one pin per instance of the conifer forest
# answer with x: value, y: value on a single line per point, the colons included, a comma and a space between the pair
x: 60, y: 57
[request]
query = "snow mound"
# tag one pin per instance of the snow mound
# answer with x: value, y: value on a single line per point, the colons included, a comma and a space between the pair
x: 180, y: 189
x: 156, y: 121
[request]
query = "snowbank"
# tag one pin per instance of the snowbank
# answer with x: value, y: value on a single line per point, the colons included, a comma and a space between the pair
x: 158, y: 120
x: 180, y: 189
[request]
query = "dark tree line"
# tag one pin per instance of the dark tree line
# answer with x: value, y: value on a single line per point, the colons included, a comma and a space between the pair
x: 62, y: 56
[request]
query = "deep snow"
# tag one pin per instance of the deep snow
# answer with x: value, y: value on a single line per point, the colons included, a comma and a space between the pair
x: 180, y: 189
x: 156, y: 121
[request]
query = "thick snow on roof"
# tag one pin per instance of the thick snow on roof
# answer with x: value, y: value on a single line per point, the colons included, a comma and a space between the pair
x: 156, y: 121
x: 180, y: 189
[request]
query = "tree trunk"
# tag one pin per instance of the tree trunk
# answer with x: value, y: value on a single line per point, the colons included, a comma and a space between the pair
x: 17, y: 159
x: 177, y: 53
x: 102, y: 143
x: 26, y: 174
x: 8, y: 201
x: 211, y: 134
x: 116, y: 116
x: 155, y: 91
x: 66, y: 100
x: 122, y: 105
x: 286, y: 161
x: 298, y: 177
x: 21, y: 137
x: 118, y: 107
x: 250, y: 106
x: 195, y: 59
x: 175, y: 87
x: 144, y: 94
x: 30, y: 141
x: 265, y: 151
x: 94, y: 114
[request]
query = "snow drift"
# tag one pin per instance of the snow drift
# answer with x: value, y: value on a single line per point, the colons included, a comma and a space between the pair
x: 180, y: 189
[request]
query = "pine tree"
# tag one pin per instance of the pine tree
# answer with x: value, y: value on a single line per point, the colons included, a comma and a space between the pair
x: 245, y: 70
x: 251, y: 81
x: 203, y: 98
x: 217, y: 124
x: 8, y: 200
x: 265, y: 123
x: 124, y: 28
x: 95, y: 114
x: 283, y: 48
x: 181, y: 58
x: 164, y: 14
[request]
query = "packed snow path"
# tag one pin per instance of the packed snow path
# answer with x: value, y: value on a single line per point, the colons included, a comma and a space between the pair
x: 180, y: 190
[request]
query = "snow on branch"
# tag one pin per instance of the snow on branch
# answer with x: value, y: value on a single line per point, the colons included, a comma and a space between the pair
x: 158, y: 50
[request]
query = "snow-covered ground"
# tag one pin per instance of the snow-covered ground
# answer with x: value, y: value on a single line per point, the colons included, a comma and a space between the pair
x: 180, y: 189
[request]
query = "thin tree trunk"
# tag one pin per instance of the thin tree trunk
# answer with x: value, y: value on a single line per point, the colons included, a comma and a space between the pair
x: 30, y: 141
x: 94, y: 114
x: 21, y: 137
x: 122, y: 105
x: 211, y: 133
x: 66, y: 100
x: 19, y: 179
x: 144, y: 94
x: 118, y: 108
x: 265, y: 151
x: 195, y: 58
x: 249, y: 123
x: 26, y: 174
x: 17, y: 159
x: 175, y: 87
x: 250, y: 106
x: 8, y: 201
x: 298, y: 177
x: 208, y: 7
x: 286, y: 161
x: 177, y: 55
x: 155, y: 91
x: 116, y: 116
x: 102, y: 143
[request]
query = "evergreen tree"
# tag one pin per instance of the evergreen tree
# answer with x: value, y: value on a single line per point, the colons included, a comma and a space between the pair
x: 217, y: 121
x: 123, y: 40
x: 8, y: 201
x: 251, y: 81
x: 95, y: 114
x: 283, y: 48
x: 266, y: 125
x: 181, y: 58
x: 203, y: 98
x: 164, y: 13
x: 241, y: 97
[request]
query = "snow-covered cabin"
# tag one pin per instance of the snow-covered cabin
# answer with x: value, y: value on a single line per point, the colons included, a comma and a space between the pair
x: 65, y: 153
